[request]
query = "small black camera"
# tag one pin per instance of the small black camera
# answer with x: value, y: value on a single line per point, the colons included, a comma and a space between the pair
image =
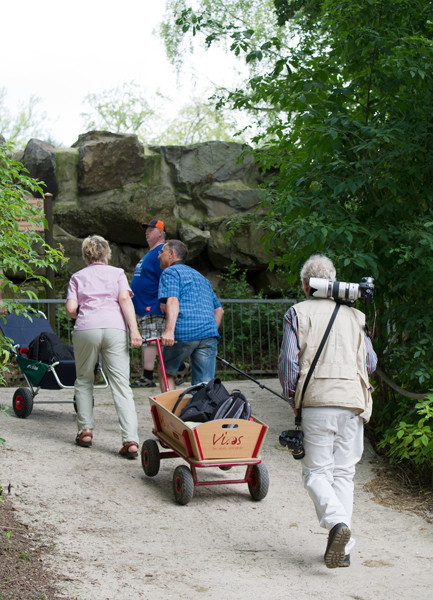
x: 292, y: 438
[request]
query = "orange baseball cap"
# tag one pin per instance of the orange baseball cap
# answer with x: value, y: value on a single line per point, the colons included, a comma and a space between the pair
x: 154, y: 223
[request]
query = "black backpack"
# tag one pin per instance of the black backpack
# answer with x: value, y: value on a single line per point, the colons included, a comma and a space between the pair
x: 48, y: 348
x: 236, y: 406
x: 212, y: 401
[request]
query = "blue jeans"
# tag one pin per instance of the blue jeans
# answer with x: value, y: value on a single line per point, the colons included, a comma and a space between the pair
x: 202, y: 354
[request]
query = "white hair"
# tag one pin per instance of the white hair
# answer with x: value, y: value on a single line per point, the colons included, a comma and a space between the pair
x: 318, y: 266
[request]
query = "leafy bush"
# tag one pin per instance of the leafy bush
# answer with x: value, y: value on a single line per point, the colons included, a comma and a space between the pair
x: 3, y: 411
x: 23, y: 250
x: 411, y: 438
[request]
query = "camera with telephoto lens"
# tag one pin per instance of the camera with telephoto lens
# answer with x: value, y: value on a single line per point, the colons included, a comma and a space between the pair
x: 292, y: 438
x: 340, y: 290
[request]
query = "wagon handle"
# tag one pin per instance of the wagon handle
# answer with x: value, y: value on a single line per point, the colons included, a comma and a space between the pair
x: 161, y: 361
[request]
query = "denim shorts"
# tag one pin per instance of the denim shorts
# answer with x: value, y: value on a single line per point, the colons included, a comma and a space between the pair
x: 202, y: 355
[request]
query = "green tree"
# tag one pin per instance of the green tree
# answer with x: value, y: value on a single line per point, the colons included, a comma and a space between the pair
x: 349, y: 158
x: 199, y: 121
x: 24, y: 255
x: 28, y: 122
x: 123, y: 109
x: 235, y: 26
x: 218, y: 17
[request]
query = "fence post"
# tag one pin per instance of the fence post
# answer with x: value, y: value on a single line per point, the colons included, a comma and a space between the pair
x: 49, y: 272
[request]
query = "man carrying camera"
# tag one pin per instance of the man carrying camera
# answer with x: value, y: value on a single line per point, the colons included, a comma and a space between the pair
x: 335, y: 405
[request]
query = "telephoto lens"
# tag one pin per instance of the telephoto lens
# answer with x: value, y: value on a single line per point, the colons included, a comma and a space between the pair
x: 341, y: 290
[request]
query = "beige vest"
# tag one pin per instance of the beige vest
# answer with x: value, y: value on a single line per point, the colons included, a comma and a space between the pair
x: 340, y: 377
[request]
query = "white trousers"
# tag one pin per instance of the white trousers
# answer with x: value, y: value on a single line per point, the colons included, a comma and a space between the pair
x: 112, y: 344
x: 333, y: 442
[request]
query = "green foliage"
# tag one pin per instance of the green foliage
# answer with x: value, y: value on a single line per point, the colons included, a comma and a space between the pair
x: 4, y: 411
x: 196, y: 122
x: 238, y: 26
x: 21, y: 252
x: 411, y: 439
x: 63, y: 324
x: 288, y: 9
x: 123, y: 109
x: 351, y: 156
x: 235, y: 282
x: 348, y: 157
x: 251, y: 329
x: 215, y: 18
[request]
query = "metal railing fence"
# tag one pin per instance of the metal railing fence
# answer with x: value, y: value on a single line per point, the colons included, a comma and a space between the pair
x: 251, y: 331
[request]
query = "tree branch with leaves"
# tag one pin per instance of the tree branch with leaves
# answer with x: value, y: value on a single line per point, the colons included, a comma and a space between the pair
x: 24, y: 255
x: 348, y: 158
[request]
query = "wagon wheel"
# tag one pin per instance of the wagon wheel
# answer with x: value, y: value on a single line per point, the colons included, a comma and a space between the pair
x: 150, y: 458
x: 258, y: 482
x: 183, y: 484
x: 22, y: 402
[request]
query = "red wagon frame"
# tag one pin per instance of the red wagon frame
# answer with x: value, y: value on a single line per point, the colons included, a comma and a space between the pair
x: 222, y: 444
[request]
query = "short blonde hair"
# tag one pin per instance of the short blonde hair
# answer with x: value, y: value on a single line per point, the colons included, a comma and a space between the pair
x: 318, y: 266
x: 95, y: 249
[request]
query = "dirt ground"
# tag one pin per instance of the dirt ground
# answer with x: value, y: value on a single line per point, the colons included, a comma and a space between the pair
x: 92, y: 525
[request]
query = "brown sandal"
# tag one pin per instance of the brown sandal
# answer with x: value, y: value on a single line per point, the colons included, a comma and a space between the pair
x: 126, y: 453
x: 80, y: 440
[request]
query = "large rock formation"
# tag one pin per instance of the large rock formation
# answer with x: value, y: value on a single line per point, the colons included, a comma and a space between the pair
x: 39, y: 159
x: 109, y: 183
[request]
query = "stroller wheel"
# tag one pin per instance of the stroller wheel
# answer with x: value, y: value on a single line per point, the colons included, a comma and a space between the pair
x: 22, y: 402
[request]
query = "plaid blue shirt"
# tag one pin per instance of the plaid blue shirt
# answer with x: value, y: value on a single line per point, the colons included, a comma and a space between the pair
x: 288, y: 363
x: 197, y: 302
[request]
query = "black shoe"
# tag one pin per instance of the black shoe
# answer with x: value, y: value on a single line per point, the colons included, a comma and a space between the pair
x: 184, y: 372
x: 346, y: 561
x: 143, y: 382
x: 335, y: 550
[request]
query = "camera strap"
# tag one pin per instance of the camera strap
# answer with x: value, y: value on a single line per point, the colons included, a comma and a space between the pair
x: 298, y: 418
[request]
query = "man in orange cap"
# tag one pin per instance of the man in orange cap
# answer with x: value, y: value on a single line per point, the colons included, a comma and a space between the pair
x: 150, y: 313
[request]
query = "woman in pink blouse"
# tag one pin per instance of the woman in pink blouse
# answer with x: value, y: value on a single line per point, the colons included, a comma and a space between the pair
x: 99, y: 299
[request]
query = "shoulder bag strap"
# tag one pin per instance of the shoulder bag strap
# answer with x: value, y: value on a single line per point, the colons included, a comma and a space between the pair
x: 298, y: 418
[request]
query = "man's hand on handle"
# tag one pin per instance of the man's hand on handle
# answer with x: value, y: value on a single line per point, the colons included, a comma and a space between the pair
x: 167, y: 338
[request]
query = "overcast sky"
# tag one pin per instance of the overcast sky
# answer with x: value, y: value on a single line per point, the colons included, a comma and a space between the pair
x: 61, y: 50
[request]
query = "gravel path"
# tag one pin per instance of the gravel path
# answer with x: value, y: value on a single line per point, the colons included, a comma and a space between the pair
x: 118, y: 534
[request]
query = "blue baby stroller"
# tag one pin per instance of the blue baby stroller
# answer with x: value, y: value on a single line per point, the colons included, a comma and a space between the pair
x: 22, y: 330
